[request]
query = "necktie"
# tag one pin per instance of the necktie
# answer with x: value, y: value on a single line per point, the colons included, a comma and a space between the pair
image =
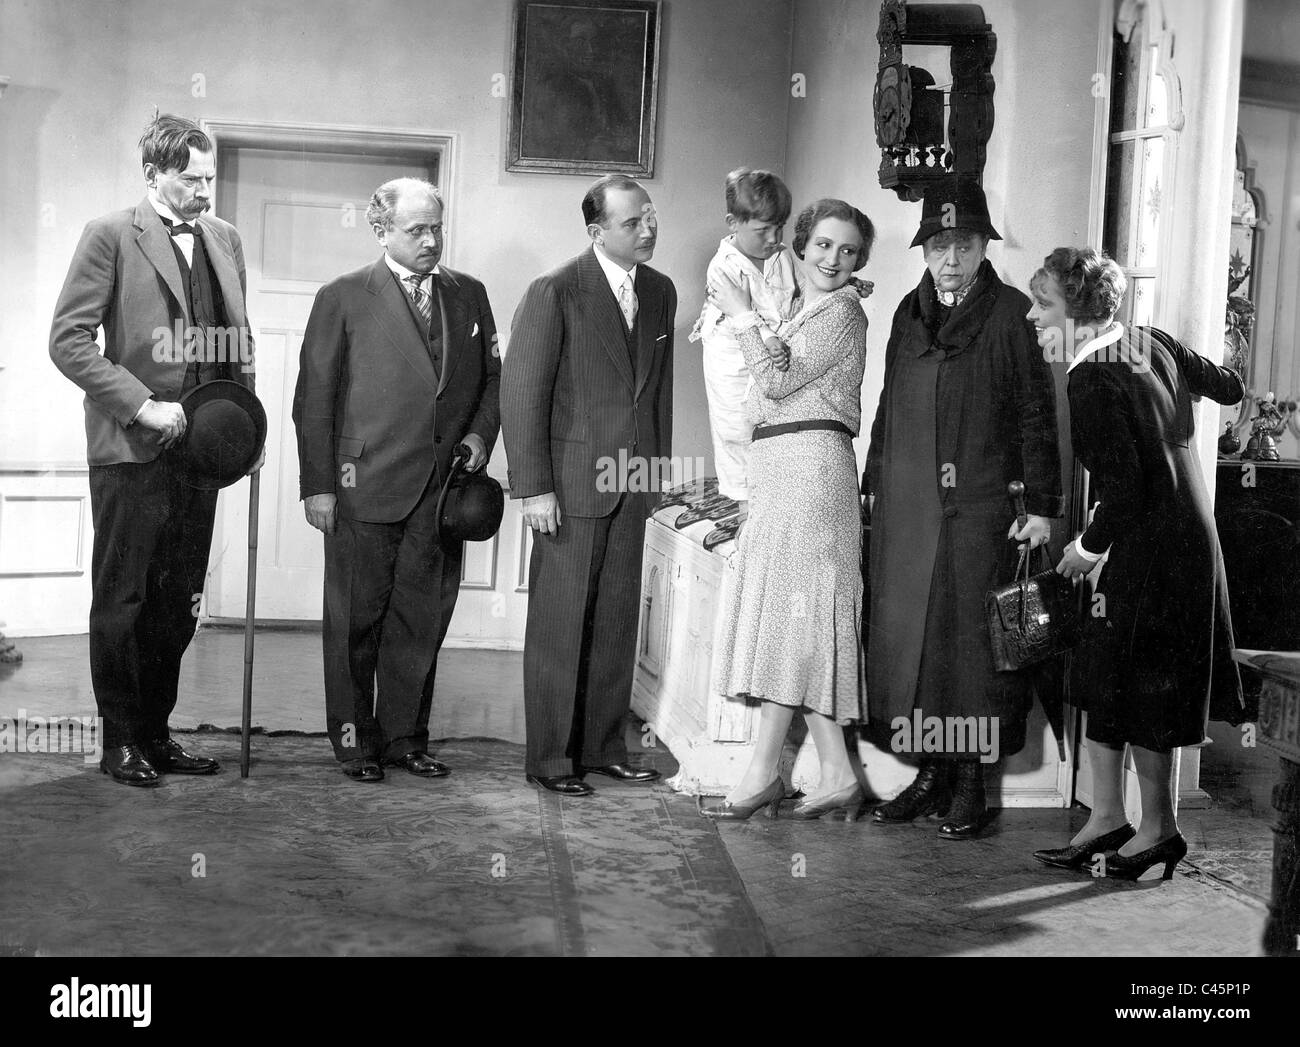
x: 421, y: 298
x: 627, y: 301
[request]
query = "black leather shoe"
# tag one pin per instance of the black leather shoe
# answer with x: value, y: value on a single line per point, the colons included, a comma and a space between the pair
x: 1170, y: 851
x: 968, y: 813
x: 1076, y: 857
x: 928, y: 794
x: 365, y: 770
x: 622, y: 772
x: 168, y: 757
x: 128, y: 764
x: 421, y: 764
x: 564, y: 784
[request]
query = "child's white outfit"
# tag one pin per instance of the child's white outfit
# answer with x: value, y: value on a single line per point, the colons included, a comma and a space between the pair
x: 726, y: 378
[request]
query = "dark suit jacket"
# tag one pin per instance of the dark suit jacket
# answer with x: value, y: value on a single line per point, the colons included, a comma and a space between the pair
x: 367, y: 396
x: 570, y: 395
x: 124, y: 278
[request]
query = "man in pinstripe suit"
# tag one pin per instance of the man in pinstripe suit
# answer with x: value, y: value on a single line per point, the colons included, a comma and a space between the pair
x: 588, y: 373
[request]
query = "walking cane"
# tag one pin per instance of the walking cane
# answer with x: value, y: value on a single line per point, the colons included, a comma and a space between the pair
x: 250, y: 603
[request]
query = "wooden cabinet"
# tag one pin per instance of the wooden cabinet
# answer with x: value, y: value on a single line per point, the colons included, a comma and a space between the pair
x: 1257, y: 511
x: 683, y: 589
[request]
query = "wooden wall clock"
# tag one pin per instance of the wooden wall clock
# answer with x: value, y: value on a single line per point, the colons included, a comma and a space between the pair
x: 909, y: 116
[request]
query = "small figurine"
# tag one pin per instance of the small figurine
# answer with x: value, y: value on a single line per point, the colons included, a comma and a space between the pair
x: 1268, y: 419
x: 1229, y: 442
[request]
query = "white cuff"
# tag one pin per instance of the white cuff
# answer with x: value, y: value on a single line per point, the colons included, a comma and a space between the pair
x: 136, y: 417
x: 1078, y: 548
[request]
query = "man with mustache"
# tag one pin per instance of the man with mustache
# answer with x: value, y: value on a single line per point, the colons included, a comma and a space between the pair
x: 589, y: 373
x: 140, y: 274
x: 399, y: 366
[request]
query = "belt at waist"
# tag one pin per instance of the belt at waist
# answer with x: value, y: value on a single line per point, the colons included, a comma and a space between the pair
x: 762, y: 432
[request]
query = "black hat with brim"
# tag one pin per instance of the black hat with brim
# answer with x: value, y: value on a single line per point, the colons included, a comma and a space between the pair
x: 225, y: 429
x: 954, y: 203
x: 470, y: 506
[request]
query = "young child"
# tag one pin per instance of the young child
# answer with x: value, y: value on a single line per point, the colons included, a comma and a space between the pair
x: 758, y: 206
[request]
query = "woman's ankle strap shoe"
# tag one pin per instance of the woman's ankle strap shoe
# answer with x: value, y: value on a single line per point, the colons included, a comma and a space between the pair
x: 1077, y: 856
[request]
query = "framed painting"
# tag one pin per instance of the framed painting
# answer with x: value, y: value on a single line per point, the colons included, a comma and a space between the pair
x: 584, y: 86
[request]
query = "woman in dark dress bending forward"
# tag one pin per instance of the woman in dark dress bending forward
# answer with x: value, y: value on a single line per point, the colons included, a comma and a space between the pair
x: 1156, y: 657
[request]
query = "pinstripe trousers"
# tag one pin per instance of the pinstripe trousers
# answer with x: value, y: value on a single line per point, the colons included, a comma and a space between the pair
x: 584, y: 585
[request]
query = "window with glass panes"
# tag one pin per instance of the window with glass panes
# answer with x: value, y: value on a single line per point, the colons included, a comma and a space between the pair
x: 1136, y: 170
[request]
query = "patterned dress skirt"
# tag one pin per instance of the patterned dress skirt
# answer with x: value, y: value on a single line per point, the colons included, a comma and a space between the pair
x: 794, y: 603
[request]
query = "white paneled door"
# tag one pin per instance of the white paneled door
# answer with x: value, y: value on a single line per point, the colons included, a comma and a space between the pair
x: 301, y: 215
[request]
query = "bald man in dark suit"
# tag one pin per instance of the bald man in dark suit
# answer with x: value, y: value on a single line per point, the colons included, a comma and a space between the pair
x: 399, y: 365
x: 588, y: 374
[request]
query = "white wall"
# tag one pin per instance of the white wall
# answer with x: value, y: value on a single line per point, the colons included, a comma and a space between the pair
x: 1038, y: 173
x: 87, y: 75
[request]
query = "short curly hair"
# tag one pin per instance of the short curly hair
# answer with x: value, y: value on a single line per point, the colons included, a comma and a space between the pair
x: 1092, y: 285
x: 831, y: 208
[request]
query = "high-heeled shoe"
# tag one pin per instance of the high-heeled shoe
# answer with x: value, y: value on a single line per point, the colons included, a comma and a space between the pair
x: 770, y: 798
x: 849, y: 800
x: 1076, y: 856
x: 1170, y: 851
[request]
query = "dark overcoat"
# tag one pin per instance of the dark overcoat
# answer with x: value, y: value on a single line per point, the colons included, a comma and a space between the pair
x: 968, y: 405
x: 1156, y: 658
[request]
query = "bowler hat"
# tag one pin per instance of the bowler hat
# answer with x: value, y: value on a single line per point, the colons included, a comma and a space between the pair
x: 225, y: 428
x: 954, y: 203
x: 470, y: 505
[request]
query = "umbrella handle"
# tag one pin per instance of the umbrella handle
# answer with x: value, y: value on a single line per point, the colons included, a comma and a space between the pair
x: 250, y: 605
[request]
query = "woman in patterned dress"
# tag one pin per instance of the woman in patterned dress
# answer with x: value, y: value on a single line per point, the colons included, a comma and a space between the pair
x: 793, y: 614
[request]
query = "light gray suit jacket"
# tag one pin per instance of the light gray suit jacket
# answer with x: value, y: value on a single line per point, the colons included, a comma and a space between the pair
x: 124, y: 278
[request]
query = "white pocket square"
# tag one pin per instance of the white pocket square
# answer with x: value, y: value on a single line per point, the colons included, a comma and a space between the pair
x: 475, y: 331
x: 661, y: 338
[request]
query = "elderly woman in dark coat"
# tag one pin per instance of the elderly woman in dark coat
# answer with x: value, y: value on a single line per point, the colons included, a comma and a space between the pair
x: 1156, y: 657
x: 968, y: 406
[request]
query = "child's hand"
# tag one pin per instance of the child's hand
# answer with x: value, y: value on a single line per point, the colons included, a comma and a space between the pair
x: 778, y: 352
x: 731, y: 299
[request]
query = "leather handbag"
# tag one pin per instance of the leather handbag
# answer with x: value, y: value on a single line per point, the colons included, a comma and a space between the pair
x: 1033, y: 617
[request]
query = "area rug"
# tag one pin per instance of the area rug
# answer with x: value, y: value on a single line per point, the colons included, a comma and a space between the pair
x: 298, y: 860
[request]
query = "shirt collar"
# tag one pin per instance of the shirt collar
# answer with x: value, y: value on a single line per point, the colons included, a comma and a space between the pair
x: 614, y: 272
x: 166, y: 212
x: 1108, y: 337
x: 404, y: 273
x: 729, y: 246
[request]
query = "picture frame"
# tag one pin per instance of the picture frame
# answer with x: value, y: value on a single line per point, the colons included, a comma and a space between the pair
x: 584, y: 86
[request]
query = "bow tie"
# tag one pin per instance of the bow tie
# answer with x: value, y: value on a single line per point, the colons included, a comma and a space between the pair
x: 178, y: 228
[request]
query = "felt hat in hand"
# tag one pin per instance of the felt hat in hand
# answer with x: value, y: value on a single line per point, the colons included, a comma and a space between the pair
x: 225, y: 429
x: 954, y: 203
x: 470, y: 505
